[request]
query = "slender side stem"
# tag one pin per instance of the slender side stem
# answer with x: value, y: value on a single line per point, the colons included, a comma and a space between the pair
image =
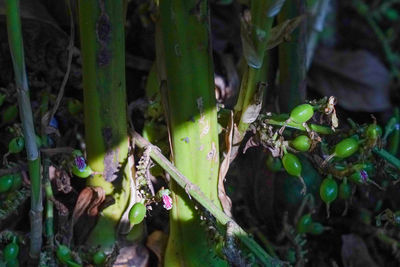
x: 103, y: 52
x: 197, y: 194
x: 292, y: 59
x: 317, y: 128
x: 254, y: 77
x: 17, y: 54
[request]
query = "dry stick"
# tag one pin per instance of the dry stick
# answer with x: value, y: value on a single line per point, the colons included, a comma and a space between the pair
x: 46, y: 119
x: 195, y: 192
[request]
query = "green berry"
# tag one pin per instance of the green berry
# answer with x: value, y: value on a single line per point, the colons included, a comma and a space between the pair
x: 373, y: 131
x: 12, y: 263
x: 82, y: 173
x: 316, y: 228
x: 302, y: 113
x: 99, y: 258
x: 10, y: 252
x: 74, y: 106
x: 346, y: 148
x: 9, y: 114
x: 16, y: 181
x: 79, y: 166
x: 392, y: 14
x: 304, y: 224
x: 301, y: 143
x: 359, y: 177
x: 63, y: 254
x: 328, y: 190
x: 344, y: 190
x: 273, y: 164
x: 292, y: 164
x: 6, y: 182
x: 137, y: 213
x: 16, y: 145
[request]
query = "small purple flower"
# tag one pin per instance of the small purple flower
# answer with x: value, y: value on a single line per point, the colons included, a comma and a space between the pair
x: 167, y: 201
x: 364, y: 176
x: 80, y: 163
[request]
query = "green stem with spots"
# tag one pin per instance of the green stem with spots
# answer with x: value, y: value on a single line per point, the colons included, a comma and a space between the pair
x: 192, y: 118
x: 103, y: 52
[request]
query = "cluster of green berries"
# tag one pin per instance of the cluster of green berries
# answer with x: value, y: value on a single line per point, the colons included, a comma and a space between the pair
x: 307, y: 226
x: 64, y: 255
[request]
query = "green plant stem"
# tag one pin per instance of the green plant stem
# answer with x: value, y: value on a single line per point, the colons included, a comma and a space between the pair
x: 254, y: 78
x: 197, y: 194
x: 387, y: 156
x: 292, y: 59
x: 317, y: 128
x: 103, y: 54
x: 192, y: 119
x: 17, y: 53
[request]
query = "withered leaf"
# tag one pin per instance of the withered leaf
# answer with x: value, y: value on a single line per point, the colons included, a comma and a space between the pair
x: 89, y: 200
x: 358, y: 80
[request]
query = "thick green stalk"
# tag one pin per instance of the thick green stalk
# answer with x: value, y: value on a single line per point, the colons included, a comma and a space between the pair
x: 25, y: 111
x: 193, y: 126
x: 103, y: 52
x: 292, y: 59
x: 200, y: 197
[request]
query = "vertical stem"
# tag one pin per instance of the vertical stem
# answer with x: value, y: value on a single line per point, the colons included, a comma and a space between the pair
x: 193, y: 125
x: 252, y: 84
x: 292, y: 59
x: 17, y: 54
x: 103, y: 51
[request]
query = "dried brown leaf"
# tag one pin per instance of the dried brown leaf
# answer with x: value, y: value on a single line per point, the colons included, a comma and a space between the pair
x: 133, y: 255
x: 89, y: 200
x: 223, y: 170
x: 61, y: 178
x: 355, y: 252
x: 252, y: 111
x: 358, y: 80
x: 157, y: 242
